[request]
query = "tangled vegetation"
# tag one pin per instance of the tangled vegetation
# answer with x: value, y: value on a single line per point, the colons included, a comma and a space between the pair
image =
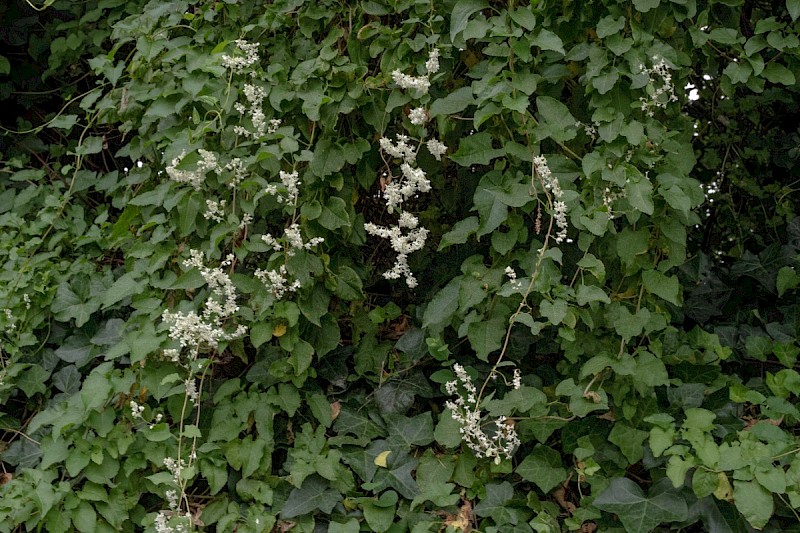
x: 399, y: 266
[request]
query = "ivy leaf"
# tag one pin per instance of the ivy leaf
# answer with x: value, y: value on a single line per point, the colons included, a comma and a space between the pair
x: 637, y: 512
x: 754, y: 502
x: 397, y: 476
x: 476, y: 149
x: 495, y: 504
x: 406, y: 431
x: 543, y: 466
x: 610, y: 26
x: 313, y: 495
x: 629, y: 441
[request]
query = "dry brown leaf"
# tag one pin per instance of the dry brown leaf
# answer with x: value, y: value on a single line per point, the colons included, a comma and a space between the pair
x: 336, y: 408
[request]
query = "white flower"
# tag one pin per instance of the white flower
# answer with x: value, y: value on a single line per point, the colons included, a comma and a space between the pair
x: 436, y: 148
x: 404, y: 81
x: 418, y: 116
x: 432, y: 65
x: 240, y: 63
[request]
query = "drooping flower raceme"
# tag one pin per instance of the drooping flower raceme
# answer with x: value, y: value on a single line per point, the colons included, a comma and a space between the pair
x: 402, y: 244
x: 192, y: 330
x: 551, y: 183
x: 197, y: 177
x: 466, y: 411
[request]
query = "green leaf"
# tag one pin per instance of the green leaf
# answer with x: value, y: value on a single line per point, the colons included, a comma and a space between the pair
x: 610, y: 26
x: 328, y: 158
x: 640, y: 195
x: 754, y: 502
x: 314, y: 494
x: 407, y: 432
x: 547, y: 40
x: 793, y: 7
x: 125, y: 286
x: 442, y: 306
x: 645, y: 5
x: 638, y: 513
x: 629, y: 441
x: 554, y: 311
x: 334, y: 215
x: 788, y: 278
x: 495, y: 504
x: 447, y: 430
x: 476, y: 149
x: 556, y: 120
x: 486, y: 336
x: 777, y: 73
x: 543, y: 466
x: 666, y: 287
x: 591, y: 293
x: 5, y: 65
x: 459, y: 16
x: 459, y: 234
x: 455, y: 102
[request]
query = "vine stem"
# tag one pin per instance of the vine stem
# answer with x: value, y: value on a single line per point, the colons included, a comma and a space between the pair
x: 524, y: 303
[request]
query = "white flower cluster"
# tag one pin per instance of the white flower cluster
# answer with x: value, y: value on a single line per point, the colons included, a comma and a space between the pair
x: 418, y: 116
x: 660, y: 95
x: 173, y: 520
x: 291, y: 183
x: 466, y: 412
x: 214, y: 210
x: 609, y: 197
x: 193, y: 330
x: 419, y: 83
x: 402, y: 244
x: 236, y: 166
x: 559, y: 207
x: 414, y: 179
x: 292, y: 239
x: 436, y: 148
x: 238, y: 63
x: 196, y: 177
x: 512, y: 277
x: 277, y: 281
x: 254, y: 95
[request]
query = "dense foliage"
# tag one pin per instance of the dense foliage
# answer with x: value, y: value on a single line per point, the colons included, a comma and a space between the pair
x: 399, y: 265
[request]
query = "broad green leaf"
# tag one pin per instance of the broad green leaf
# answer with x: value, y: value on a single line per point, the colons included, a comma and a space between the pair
x: 476, y: 149
x: 495, y: 504
x: 556, y: 120
x: 455, y: 102
x: 777, y: 73
x: 547, y: 40
x: 754, y: 502
x: 609, y: 25
x: 486, y: 336
x: 334, y: 215
x: 591, y: 293
x: 793, y: 7
x: 629, y: 440
x: 461, y: 11
x: 637, y: 512
x: 788, y: 278
x: 328, y: 158
x: 5, y: 65
x: 442, y: 306
x: 639, y: 193
x: 544, y: 467
x: 314, y: 494
x: 459, y: 234
x: 666, y: 287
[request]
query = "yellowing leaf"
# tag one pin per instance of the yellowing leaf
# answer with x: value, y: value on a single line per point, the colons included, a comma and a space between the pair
x: 279, y: 330
x: 380, y: 460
